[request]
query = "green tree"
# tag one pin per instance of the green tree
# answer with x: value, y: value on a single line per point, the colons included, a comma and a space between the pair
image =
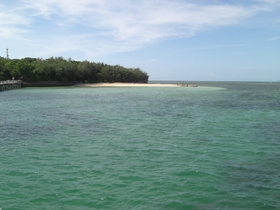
x: 59, y: 69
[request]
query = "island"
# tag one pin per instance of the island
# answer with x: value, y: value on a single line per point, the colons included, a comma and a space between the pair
x: 58, y: 71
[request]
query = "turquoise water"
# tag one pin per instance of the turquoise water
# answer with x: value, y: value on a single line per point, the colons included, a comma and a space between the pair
x: 212, y: 147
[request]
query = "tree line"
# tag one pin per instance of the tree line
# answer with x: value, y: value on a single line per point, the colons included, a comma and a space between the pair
x: 60, y: 69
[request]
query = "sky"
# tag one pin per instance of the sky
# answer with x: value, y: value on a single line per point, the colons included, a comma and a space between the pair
x: 191, y: 40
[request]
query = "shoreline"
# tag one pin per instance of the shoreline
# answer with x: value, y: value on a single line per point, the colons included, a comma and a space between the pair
x: 119, y: 84
x: 102, y: 84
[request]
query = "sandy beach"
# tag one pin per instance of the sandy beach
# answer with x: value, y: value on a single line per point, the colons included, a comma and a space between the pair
x: 116, y: 84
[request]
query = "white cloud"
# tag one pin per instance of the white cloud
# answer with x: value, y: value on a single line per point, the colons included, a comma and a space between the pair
x: 152, y: 20
x: 117, y: 25
x: 12, y: 24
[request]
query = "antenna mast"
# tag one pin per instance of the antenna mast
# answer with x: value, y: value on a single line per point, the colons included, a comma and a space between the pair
x: 7, y: 50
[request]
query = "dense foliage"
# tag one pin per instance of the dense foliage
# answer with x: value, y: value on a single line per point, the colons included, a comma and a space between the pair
x: 59, y: 69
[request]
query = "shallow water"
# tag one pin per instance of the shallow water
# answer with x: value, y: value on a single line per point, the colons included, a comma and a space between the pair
x: 211, y: 147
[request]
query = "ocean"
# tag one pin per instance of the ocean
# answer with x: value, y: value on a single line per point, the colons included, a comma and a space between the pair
x: 216, y: 146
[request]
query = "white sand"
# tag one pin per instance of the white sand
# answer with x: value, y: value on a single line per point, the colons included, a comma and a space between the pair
x: 116, y: 84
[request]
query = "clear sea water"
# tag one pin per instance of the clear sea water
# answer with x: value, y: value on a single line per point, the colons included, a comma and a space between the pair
x: 216, y: 146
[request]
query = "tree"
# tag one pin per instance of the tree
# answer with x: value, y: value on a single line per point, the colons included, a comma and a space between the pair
x: 59, y: 69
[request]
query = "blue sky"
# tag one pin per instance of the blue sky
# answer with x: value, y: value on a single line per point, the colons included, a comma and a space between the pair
x: 206, y: 40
